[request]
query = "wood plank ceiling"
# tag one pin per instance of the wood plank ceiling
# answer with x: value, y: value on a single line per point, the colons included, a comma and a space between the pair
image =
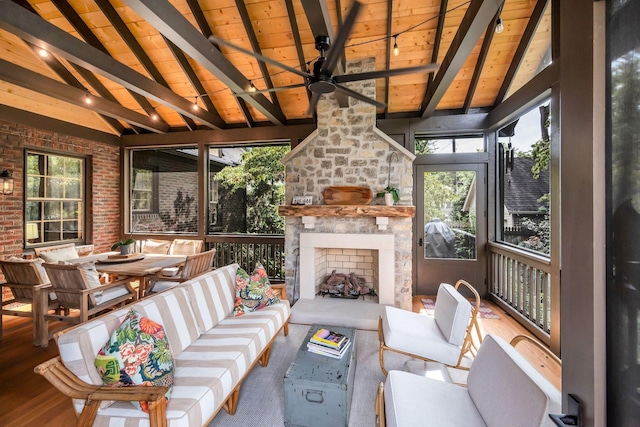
x: 144, y: 63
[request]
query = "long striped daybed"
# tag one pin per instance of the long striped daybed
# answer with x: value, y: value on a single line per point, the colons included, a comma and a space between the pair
x: 213, y: 351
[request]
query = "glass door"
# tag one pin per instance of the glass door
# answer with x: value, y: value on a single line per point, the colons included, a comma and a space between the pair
x: 450, y: 226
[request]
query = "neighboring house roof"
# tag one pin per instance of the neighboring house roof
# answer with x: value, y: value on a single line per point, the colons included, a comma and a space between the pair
x: 228, y: 156
x: 522, y: 190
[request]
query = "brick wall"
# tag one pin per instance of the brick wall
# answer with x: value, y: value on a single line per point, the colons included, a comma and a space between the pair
x: 102, y: 159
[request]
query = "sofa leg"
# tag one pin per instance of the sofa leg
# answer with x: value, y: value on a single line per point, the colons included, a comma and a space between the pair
x: 232, y: 401
x: 89, y: 413
x: 264, y: 358
x: 158, y: 413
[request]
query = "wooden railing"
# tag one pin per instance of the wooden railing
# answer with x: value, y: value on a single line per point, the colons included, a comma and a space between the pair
x: 520, y: 281
x: 249, y: 249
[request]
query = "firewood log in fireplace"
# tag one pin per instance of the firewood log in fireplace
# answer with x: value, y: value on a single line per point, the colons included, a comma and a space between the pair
x: 340, y: 284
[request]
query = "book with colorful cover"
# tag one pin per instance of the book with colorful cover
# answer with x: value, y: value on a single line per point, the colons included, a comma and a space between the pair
x: 329, y: 338
x: 318, y: 349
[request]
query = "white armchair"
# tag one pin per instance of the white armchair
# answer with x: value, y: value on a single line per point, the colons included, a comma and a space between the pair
x: 446, y: 337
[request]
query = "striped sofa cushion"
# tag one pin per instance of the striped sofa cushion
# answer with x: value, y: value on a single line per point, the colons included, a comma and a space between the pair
x: 212, y: 295
x: 208, y: 370
x: 79, y: 347
x: 173, y: 311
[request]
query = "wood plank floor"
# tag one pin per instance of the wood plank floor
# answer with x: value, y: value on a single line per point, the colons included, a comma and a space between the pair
x: 27, y: 399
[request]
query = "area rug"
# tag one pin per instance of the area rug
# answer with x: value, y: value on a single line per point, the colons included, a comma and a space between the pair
x: 485, y: 312
x: 261, y: 402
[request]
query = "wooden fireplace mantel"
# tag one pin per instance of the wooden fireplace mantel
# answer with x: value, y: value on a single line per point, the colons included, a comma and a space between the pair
x: 380, y: 212
x: 349, y: 211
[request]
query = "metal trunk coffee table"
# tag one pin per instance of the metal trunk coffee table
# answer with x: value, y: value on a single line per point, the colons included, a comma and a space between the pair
x: 318, y: 388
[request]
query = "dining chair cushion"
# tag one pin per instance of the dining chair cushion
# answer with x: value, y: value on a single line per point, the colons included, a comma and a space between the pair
x: 93, y: 280
x: 253, y: 292
x: 62, y: 254
x: 137, y: 353
x: 38, y: 263
x: 152, y: 246
x: 452, y: 313
x: 184, y: 247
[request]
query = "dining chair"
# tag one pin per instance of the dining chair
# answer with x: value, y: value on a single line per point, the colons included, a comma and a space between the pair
x: 193, y: 266
x: 31, y: 291
x: 78, y: 288
x: 446, y: 337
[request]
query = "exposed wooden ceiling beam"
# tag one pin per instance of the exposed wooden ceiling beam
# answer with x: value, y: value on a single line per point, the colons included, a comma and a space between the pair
x: 251, y: 34
x: 320, y: 22
x: 62, y: 72
x: 482, y: 57
x: 296, y: 38
x: 26, y: 25
x: 34, y: 120
x: 165, y: 18
x: 475, y: 21
x: 387, y: 59
x: 128, y: 37
x: 88, y: 36
x: 205, y: 29
x: 525, y: 41
x: 31, y: 80
x: 438, y: 38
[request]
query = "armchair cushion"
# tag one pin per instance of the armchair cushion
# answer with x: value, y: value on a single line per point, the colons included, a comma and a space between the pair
x: 93, y: 280
x: 38, y: 263
x: 452, y: 314
x: 137, y: 353
x: 418, y: 334
x: 62, y: 254
x: 253, y: 292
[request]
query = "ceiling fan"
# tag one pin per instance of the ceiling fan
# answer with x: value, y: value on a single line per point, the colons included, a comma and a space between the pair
x: 322, y: 79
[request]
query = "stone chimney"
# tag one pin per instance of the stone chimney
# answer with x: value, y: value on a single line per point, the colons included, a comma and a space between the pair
x: 348, y: 149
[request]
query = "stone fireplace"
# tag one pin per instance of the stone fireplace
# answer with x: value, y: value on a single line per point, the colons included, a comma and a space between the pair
x: 347, y: 149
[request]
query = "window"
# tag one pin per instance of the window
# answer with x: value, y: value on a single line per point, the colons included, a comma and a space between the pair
x: 54, y: 205
x: 164, y: 190
x: 458, y: 144
x: 142, y: 194
x: 246, y: 185
x: 523, y: 161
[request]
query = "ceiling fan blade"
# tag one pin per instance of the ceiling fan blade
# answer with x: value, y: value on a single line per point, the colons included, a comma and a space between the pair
x: 359, y: 96
x: 215, y: 39
x: 429, y: 68
x: 338, y: 44
x: 315, y: 96
x: 275, y: 89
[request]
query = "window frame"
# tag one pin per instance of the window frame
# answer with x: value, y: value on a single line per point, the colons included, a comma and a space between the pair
x: 82, y: 201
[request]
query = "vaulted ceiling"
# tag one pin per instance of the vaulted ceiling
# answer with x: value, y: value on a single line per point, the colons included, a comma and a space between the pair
x: 138, y: 66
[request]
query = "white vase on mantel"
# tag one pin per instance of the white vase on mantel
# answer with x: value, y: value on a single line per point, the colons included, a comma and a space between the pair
x: 388, y: 199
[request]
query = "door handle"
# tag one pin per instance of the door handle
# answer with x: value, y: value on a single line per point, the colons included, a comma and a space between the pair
x: 420, y: 242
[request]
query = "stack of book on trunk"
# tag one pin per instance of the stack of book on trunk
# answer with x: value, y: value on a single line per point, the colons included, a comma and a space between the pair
x: 328, y: 343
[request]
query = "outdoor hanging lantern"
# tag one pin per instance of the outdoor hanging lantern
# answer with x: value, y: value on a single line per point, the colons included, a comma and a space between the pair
x: 6, y: 182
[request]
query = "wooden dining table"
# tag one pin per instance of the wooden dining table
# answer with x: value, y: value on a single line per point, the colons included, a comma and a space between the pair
x: 138, y: 268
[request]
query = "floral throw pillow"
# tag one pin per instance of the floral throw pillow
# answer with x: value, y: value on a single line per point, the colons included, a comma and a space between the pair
x: 137, y: 353
x: 253, y: 292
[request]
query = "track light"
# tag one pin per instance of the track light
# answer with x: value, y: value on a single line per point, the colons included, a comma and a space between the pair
x: 154, y: 117
x: 499, y: 25
x: 396, y: 49
x: 87, y: 99
x: 252, y: 88
x: 43, y: 53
